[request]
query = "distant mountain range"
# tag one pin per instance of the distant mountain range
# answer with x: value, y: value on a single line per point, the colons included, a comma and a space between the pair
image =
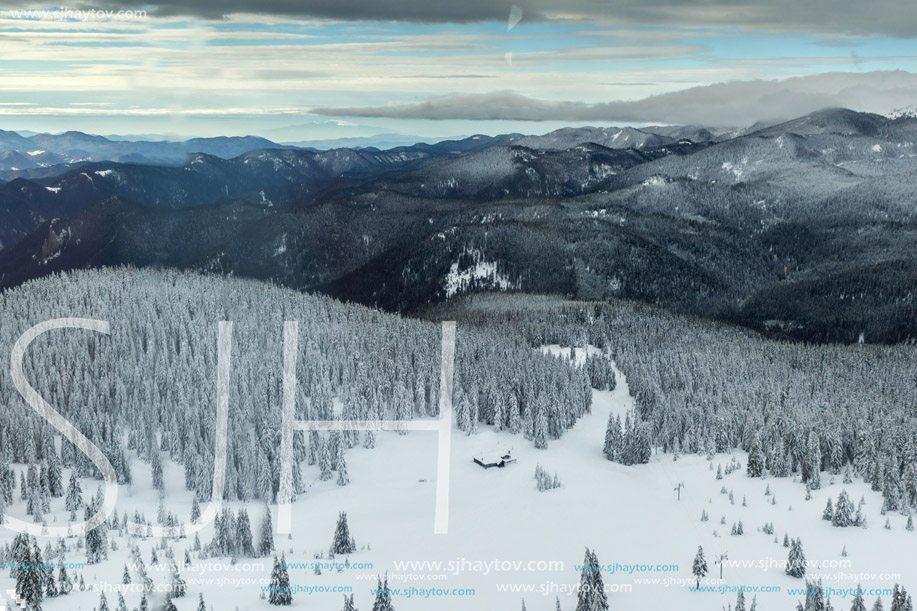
x: 20, y: 154
x: 805, y: 229
x: 39, y: 155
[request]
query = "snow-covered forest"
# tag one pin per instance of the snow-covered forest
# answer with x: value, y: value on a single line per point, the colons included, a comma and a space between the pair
x: 149, y: 387
x: 649, y: 434
x: 700, y: 387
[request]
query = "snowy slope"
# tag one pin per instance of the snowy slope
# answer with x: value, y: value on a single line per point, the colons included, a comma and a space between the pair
x: 630, y: 515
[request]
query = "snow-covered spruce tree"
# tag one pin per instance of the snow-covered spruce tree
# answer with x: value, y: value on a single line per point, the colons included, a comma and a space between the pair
x: 244, y: 546
x: 383, y: 601
x: 815, y: 596
x: 740, y: 600
x: 343, y: 476
x: 349, y: 604
x: 699, y: 568
x: 281, y: 594
x: 342, y: 543
x: 843, y: 511
x: 156, y: 461
x: 55, y: 477
x: 756, y: 463
x: 266, y: 534
x: 858, y: 604
x: 324, y: 461
x: 28, y: 575
x: 64, y: 585
x: 200, y: 603
x: 47, y: 575
x: 95, y: 540
x: 612, y: 446
x: 540, y: 433
x: 796, y: 560
x: 178, y: 587
x: 591, y: 595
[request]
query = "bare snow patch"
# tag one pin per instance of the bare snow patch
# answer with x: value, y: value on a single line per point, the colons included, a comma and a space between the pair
x: 480, y: 273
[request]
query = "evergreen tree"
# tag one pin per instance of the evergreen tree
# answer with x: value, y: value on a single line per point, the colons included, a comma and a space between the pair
x: 64, y: 585
x: 343, y: 476
x: 591, y: 595
x: 156, y: 464
x: 796, y: 561
x: 541, y: 428
x: 28, y: 577
x: 899, y: 598
x: 96, y: 546
x: 55, y: 477
x: 178, y: 586
x: 47, y: 577
x: 699, y: 569
x: 266, y: 538
x: 812, y: 470
x: 843, y: 511
x: 755, y: 466
x: 280, y: 592
x: 383, y: 600
x: 244, y: 546
x: 612, y: 446
x: 342, y: 543
x: 324, y: 462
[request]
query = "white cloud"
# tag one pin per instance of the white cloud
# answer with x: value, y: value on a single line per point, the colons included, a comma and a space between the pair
x: 723, y: 104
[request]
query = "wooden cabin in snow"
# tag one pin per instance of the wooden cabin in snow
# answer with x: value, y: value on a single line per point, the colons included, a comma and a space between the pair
x: 488, y: 461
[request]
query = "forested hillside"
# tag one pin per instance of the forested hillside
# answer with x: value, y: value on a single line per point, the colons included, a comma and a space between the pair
x: 706, y: 388
x: 150, y: 385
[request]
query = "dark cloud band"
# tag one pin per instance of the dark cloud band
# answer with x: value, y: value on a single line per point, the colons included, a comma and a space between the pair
x: 884, y: 17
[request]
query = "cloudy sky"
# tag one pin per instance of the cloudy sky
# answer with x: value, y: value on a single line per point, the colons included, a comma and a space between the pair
x: 298, y: 69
